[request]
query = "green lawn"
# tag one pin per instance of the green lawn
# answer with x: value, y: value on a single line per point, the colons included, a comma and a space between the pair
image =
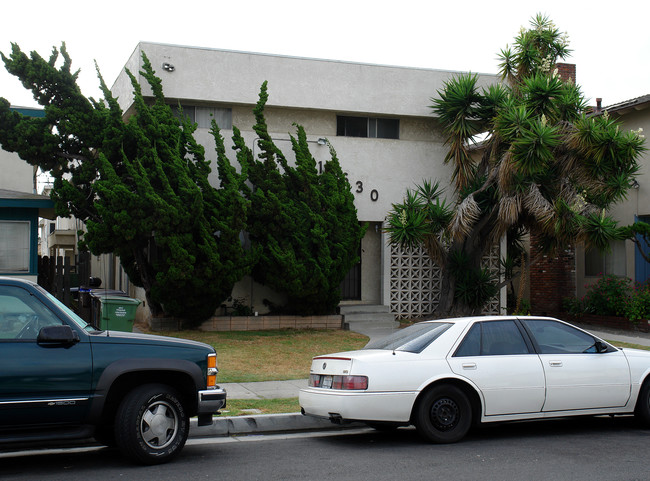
x: 277, y: 355
x: 627, y: 344
x: 243, y: 407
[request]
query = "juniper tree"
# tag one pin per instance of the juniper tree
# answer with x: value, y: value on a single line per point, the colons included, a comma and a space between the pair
x: 545, y: 167
x: 141, y: 186
x: 303, y: 223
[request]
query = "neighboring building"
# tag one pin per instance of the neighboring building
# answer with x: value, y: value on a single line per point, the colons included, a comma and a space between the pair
x: 20, y: 209
x: 571, y: 272
x: 624, y: 258
x: 377, y: 117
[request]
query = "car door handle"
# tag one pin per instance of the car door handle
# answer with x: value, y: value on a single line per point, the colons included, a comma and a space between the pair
x: 555, y: 363
x: 469, y: 365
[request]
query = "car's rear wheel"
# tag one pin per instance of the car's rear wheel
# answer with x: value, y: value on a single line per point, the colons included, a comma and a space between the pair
x: 443, y: 415
x: 642, y: 411
x: 151, y: 425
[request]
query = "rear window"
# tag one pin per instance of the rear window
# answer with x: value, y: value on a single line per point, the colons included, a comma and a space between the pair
x: 411, y: 339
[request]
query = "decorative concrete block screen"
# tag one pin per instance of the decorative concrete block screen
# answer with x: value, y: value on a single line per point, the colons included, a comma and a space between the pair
x: 415, y: 282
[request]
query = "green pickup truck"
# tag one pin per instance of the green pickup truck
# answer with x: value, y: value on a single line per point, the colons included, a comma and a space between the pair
x: 61, y: 379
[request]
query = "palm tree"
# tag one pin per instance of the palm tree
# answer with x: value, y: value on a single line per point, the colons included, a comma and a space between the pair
x: 543, y: 166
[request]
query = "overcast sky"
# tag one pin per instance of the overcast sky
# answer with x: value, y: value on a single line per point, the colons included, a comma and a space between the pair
x: 610, y: 41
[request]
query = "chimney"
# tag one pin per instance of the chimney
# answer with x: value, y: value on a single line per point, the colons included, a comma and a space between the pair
x: 599, y: 104
x: 566, y: 71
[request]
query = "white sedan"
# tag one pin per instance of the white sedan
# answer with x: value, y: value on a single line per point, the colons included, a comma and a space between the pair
x: 446, y: 375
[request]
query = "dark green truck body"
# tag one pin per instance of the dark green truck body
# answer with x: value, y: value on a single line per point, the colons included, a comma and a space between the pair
x: 62, y: 379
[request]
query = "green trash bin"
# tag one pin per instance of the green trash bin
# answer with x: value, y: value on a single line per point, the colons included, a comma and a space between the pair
x: 117, y: 313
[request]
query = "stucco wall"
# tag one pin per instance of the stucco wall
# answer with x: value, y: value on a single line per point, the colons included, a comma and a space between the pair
x: 17, y: 174
x: 235, y: 77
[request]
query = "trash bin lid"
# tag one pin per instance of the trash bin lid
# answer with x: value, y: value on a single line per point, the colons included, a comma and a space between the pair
x: 118, y: 300
x: 107, y: 292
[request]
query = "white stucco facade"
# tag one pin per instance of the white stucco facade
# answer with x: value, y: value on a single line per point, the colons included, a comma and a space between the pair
x: 312, y: 93
x: 17, y: 174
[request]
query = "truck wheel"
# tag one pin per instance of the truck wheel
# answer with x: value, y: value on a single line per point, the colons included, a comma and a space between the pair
x: 151, y: 424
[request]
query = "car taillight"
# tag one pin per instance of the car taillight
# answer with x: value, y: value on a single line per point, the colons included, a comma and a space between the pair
x: 212, y: 371
x: 314, y: 380
x: 355, y: 383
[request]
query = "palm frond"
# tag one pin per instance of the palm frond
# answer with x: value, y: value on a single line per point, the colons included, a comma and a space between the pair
x: 538, y: 205
x: 465, y: 216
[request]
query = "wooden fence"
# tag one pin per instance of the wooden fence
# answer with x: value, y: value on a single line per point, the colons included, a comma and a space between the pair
x: 59, y: 277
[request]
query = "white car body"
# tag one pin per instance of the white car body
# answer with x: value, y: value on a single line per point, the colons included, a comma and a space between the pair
x: 499, y: 386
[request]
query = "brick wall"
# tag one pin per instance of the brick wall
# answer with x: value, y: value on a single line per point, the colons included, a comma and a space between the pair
x: 552, y: 278
x: 566, y: 71
x: 260, y: 323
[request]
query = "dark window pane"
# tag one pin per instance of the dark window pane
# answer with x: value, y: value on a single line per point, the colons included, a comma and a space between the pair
x: 554, y: 337
x: 471, y: 345
x: 502, y: 338
x: 388, y: 128
x: 352, y: 126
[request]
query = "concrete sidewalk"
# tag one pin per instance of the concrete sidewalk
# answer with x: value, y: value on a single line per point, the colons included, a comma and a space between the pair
x: 296, y: 422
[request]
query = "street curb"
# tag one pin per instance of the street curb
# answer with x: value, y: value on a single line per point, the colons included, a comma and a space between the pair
x: 264, y: 424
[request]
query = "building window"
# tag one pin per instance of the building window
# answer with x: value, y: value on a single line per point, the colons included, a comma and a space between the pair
x: 14, y: 246
x: 599, y: 263
x: 372, y: 127
x: 203, y: 115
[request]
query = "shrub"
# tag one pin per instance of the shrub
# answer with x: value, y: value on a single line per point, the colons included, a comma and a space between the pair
x: 637, y: 305
x: 608, y: 296
x: 613, y: 296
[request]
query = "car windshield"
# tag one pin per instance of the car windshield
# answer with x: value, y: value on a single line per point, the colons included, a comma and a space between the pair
x: 411, y: 339
x: 71, y: 314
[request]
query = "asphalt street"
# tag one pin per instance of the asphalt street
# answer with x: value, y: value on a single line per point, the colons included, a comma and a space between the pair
x: 589, y: 449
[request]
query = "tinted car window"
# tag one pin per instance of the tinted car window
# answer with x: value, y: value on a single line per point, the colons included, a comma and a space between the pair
x: 22, y: 315
x: 411, y: 339
x: 494, y: 338
x: 554, y: 337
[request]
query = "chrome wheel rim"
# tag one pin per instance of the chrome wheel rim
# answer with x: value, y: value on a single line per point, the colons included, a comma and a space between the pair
x: 159, y: 425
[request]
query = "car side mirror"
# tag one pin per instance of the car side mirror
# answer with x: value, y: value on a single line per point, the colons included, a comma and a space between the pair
x: 601, y: 346
x: 57, y: 335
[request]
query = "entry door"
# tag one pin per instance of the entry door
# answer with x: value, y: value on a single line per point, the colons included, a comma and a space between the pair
x: 641, y: 266
x: 351, y: 285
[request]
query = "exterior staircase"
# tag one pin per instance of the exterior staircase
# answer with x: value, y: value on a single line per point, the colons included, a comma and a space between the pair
x: 364, y: 317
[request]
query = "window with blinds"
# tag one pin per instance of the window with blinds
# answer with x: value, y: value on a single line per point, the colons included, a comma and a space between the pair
x: 14, y: 246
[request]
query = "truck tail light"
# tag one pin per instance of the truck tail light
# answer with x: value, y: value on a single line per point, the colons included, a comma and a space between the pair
x: 212, y: 371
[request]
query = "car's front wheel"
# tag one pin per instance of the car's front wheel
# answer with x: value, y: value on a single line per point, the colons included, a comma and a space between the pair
x: 443, y: 415
x: 151, y: 425
x: 642, y: 410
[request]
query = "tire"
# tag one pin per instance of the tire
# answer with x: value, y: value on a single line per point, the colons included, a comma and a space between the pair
x: 642, y: 410
x: 151, y: 424
x: 443, y: 415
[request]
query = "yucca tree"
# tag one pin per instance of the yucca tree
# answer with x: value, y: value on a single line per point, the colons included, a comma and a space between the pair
x: 544, y: 166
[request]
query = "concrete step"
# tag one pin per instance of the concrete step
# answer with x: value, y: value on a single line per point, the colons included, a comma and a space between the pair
x: 368, y: 317
x: 364, y: 316
x: 356, y: 308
